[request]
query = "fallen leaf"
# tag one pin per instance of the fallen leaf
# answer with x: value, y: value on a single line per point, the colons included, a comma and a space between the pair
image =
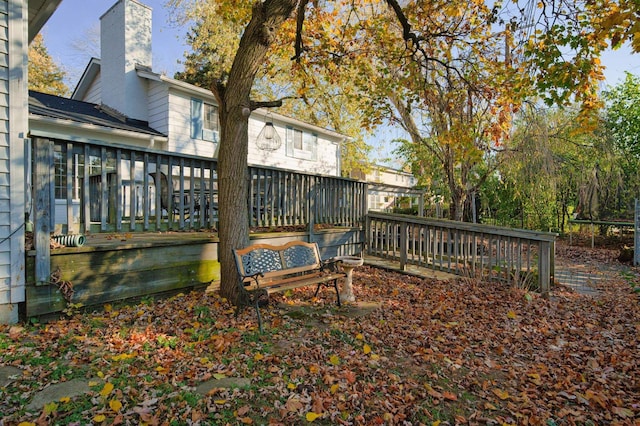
x: 623, y: 412
x: 311, y: 416
x: 501, y: 393
x: 450, y: 396
x: 115, y: 405
x: 51, y: 407
x: 106, y: 390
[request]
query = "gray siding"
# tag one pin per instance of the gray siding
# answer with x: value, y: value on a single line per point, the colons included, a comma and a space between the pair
x: 159, y: 106
x: 93, y: 93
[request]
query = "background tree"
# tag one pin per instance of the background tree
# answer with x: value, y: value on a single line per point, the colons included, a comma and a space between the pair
x: 44, y: 74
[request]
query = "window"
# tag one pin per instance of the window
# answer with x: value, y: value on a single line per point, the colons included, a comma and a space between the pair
x: 62, y: 176
x: 301, y: 144
x: 204, y: 121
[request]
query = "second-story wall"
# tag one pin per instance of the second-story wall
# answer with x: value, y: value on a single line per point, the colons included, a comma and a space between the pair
x: 302, y: 147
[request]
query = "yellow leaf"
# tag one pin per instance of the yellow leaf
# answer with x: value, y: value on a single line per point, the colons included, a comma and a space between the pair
x: 366, y: 349
x: 219, y: 376
x: 50, y: 408
x: 311, y: 416
x: 436, y: 423
x: 291, y: 386
x: 334, y: 360
x: 26, y: 424
x: 65, y: 399
x: 106, y: 390
x: 162, y: 370
x: 99, y: 418
x: 375, y: 357
x: 115, y: 405
x: 501, y: 394
x: 220, y: 401
x: 511, y: 314
x: 334, y: 388
x: 122, y: 357
x: 359, y: 336
x: 100, y: 374
x: 258, y: 356
x: 108, y: 307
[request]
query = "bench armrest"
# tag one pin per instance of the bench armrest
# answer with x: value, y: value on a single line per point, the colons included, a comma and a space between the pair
x: 330, y: 265
x: 255, y: 277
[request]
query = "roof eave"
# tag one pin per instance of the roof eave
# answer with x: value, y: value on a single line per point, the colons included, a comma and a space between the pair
x: 190, y: 88
x: 47, y: 127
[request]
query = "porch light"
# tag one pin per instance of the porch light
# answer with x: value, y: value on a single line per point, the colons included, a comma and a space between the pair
x: 268, y: 138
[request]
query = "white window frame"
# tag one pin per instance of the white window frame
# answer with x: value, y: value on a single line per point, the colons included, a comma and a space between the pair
x: 300, y: 144
x: 204, y: 120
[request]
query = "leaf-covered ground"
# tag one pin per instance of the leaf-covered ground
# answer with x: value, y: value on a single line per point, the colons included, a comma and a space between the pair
x: 414, y: 352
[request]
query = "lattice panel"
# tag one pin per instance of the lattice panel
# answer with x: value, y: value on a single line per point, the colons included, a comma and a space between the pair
x: 299, y: 256
x: 261, y: 260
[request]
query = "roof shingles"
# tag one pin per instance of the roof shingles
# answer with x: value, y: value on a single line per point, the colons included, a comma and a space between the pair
x: 84, y: 112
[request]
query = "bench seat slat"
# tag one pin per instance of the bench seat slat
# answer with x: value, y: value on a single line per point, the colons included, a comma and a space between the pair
x: 289, y: 283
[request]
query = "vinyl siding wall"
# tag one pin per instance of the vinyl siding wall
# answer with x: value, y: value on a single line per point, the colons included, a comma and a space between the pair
x: 13, y: 131
x: 180, y: 140
x: 5, y: 205
x: 158, y: 106
x: 93, y: 94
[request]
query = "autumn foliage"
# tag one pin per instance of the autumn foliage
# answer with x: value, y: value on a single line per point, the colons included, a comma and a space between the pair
x: 413, y: 351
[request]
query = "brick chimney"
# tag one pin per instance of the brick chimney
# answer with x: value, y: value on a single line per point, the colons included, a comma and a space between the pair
x: 125, y: 41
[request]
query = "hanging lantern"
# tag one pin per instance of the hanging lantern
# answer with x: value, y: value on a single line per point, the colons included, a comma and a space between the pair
x: 268, y: 138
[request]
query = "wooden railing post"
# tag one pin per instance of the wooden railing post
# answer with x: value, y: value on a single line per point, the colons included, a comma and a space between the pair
x: 404, y: 246
x: 44, y: 204
x: 544, y: 268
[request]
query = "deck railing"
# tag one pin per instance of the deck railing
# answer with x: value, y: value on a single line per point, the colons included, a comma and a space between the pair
x: 89, y: 187
x: 515, y: 256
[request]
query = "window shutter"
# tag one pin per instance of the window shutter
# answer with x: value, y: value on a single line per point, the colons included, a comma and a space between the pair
x: 196, y: 118
x: 289, y: 141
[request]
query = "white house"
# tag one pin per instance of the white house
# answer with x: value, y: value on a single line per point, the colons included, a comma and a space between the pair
x: 388, y: 186
x: 20, y: 21
x: 123, y: 79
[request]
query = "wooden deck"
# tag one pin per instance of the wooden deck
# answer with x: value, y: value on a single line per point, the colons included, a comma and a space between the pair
x: 418, y: 271
x: 114, y: 266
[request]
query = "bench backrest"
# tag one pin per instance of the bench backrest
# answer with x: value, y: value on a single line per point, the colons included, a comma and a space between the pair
x: 293, y: 257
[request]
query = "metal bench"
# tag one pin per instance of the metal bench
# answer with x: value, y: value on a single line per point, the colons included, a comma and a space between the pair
x: 266, y: 269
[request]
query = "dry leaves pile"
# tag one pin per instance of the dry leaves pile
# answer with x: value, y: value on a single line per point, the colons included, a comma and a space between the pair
x: 432, y: 352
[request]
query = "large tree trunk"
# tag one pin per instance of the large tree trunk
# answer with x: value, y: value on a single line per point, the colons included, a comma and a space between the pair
x: 235, y: 107
x: 458, y: 199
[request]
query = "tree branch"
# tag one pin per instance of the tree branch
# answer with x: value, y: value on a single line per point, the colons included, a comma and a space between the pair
x: 299, y: 47
x: 270, y: 104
